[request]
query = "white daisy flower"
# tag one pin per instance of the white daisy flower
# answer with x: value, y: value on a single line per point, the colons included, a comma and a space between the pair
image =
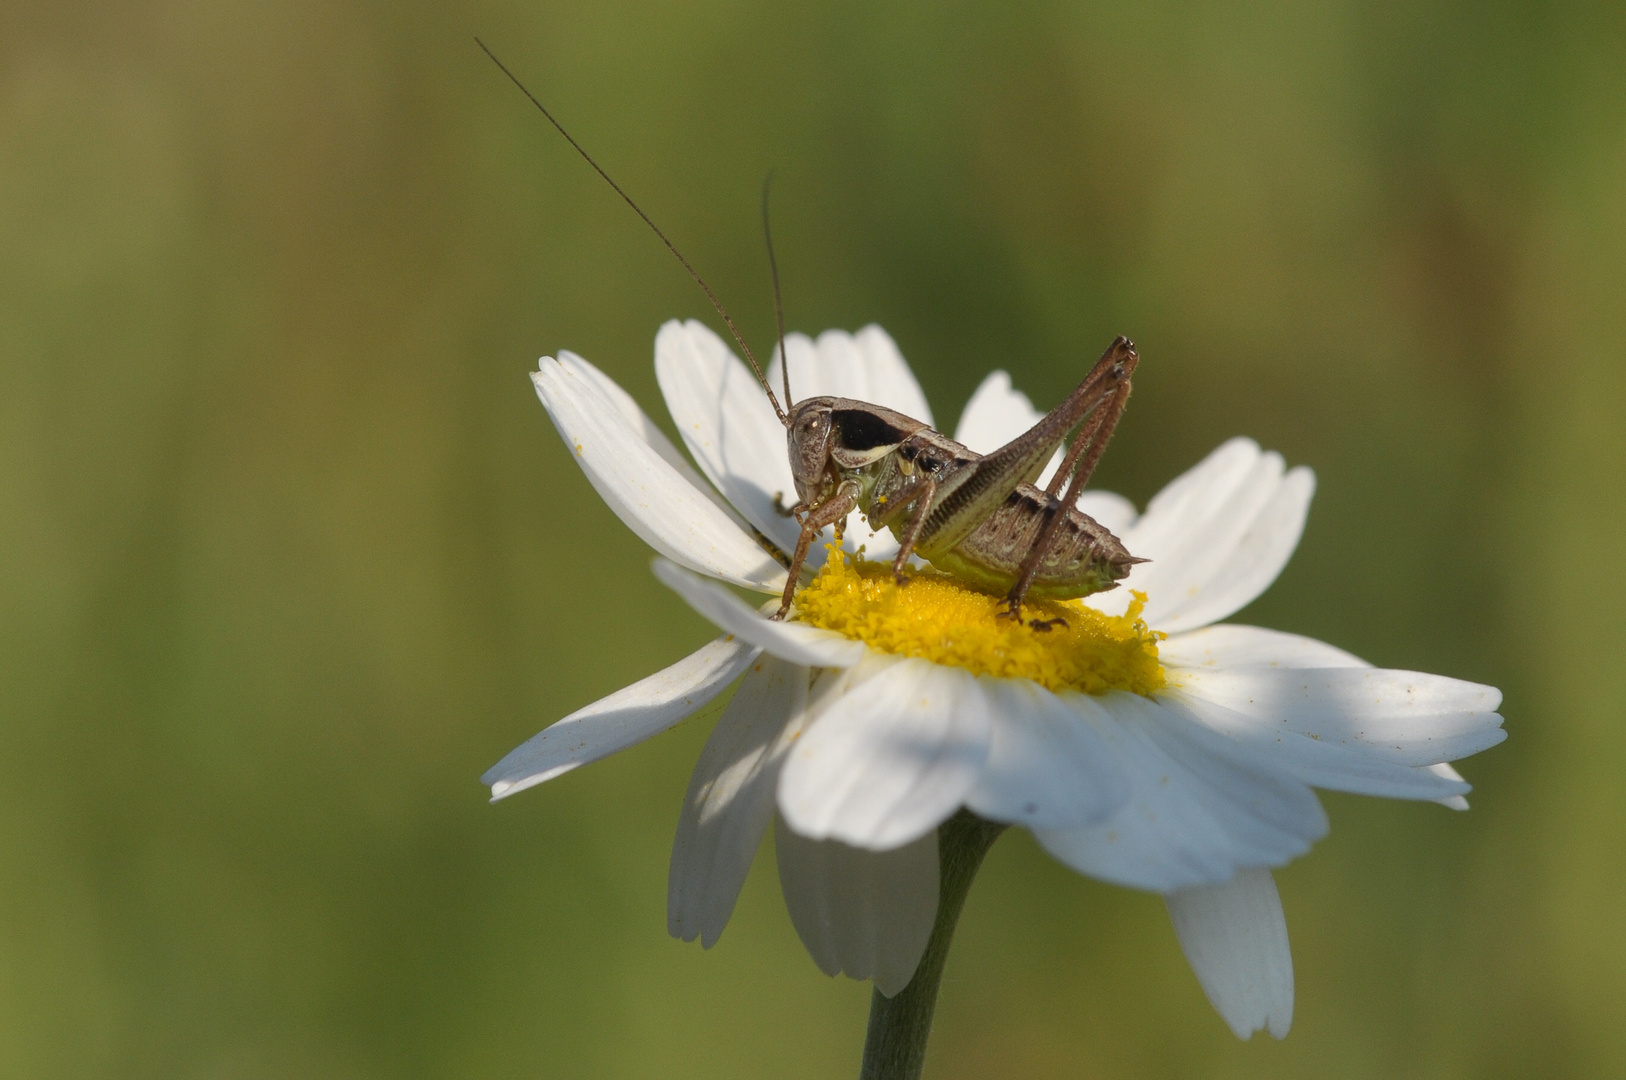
x: 1141, y: 744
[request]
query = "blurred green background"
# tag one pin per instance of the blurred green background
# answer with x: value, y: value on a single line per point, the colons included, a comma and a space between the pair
x: 289, y: 553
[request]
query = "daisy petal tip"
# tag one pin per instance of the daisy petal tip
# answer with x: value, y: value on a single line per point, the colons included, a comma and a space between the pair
x: 812, y: 817
x: 866, y: 914
x: 804, y: 817
x: 512, y: 777
x: 808, y: 819
x: 503, y: 788
x: 661, y: 566
x: 1235, y: 937
x: 686, y: 933
x: 891, y: 984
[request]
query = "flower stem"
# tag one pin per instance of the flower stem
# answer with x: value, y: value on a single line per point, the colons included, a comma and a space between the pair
x: 895, y: 1048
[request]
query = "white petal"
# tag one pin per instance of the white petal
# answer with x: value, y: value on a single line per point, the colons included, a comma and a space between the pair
x: 1255, y: 559
x: 1108, y: 508
x: 727, y: 423
x: 645, y: 428
x: 631, y: 715
x: 1232, y: 646
x: 1046, y: 767
x: 1198, y: 494
x: 1318, y: 762
x: 867, y: 914
x: 1235, y: 936
x: 868, y: 367
x: 890, y: 758
x: 806, y: 645
x: 1315, y: 761
x: 1404, y: 716
x: 1216, y: 537
x: 1201, y: 806
x: 1454, y: 802
x: 730, y: 799
x: 645, y: 491
x: 996, y: 414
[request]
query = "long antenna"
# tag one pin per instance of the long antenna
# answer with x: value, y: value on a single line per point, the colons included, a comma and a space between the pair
x: 778, y: 303
x: 698, y: 280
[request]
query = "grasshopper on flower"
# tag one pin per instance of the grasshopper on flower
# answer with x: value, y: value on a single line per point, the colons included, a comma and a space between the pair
x: 976, y: 517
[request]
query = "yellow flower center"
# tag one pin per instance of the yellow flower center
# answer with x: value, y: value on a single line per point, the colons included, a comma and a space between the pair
x: 936, y: 618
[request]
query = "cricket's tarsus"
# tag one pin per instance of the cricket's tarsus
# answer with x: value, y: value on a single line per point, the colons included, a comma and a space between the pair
x: 976, y: 517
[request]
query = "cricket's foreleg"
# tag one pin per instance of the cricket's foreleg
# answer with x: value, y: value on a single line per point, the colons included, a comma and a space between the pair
x: 924, y: 502
x: 831, y: 511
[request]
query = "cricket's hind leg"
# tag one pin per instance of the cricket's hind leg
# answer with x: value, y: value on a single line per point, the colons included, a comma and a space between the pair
x: 1113, y: 371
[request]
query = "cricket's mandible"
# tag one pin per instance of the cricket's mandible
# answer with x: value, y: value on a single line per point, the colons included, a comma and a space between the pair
x: 976, y: 517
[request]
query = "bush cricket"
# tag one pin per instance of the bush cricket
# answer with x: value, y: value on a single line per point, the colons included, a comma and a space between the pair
x: 978, y: 518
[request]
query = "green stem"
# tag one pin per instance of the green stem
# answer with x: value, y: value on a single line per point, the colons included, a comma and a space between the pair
x: 895, y: 1048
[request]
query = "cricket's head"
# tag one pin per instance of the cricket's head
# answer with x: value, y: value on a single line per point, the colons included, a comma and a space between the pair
x: 809, y: 435
x: 829, y: 435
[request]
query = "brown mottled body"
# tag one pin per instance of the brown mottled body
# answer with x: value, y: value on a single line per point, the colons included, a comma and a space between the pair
x: 1084, y: 556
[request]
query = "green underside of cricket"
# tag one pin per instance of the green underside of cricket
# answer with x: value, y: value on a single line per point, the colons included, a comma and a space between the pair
x: 978, y: 576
